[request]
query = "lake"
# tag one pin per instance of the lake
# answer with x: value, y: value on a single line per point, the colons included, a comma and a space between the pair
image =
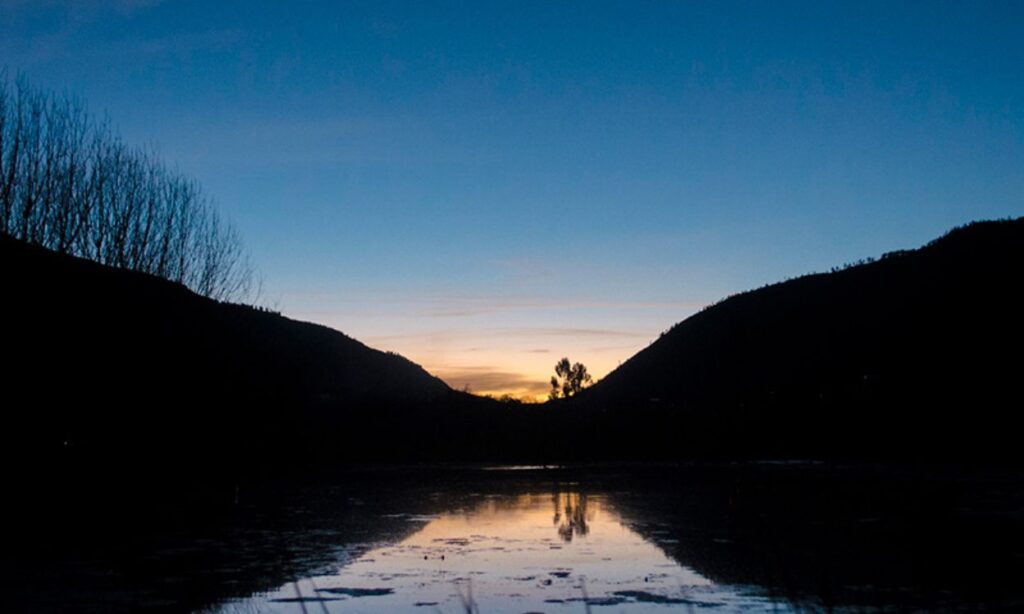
x: 748, y: 537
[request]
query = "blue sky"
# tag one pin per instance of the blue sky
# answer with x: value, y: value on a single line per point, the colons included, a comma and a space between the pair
x: 485, y: 186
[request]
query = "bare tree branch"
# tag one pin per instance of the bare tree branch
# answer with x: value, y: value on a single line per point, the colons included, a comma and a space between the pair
x: 69, y: 184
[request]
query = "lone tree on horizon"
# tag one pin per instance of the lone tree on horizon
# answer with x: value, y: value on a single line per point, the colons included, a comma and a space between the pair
x: 69, y: 184
x: 569, y: 379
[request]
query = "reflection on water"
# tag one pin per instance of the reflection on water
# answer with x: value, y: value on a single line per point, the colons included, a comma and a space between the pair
x: 730, y: 537
x: 560, y: 552
x: 571, y: 515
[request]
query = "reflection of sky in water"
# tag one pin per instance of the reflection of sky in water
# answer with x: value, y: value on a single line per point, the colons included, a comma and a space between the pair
x: 529, y: 553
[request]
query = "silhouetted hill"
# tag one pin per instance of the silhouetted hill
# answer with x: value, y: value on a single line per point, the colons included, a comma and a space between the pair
x: 113, y: 375
x: 917, y: 353
x: 127, y: 370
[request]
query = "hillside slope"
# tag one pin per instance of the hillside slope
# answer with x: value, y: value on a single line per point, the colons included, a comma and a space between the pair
x: 105, y: 363
x: 916, y: 353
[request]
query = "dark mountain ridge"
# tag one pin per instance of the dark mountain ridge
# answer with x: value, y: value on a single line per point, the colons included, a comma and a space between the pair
x: 915, y: 353
x: 128, y: 370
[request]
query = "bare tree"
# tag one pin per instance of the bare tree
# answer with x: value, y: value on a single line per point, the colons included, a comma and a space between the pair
x: 68, y: 183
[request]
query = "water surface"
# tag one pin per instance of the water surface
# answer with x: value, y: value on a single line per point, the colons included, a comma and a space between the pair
x: 741, y: 537
x: 556, y: 551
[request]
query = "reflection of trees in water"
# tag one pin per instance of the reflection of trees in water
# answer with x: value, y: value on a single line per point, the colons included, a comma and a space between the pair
x: 570, y: 514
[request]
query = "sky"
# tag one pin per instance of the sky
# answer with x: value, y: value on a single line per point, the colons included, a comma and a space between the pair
x: 485, y: 187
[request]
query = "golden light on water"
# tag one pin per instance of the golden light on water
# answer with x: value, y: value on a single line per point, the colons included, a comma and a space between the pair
x: 509, y: 554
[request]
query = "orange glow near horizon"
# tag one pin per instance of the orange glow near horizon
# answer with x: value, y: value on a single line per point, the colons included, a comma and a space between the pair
x: 502, y: 347
x: 522, y: 373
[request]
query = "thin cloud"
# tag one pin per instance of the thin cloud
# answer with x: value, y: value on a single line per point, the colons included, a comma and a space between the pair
x: 454, y: 305
x: 486, y: 306
x: 487, y: 380
x: 507, y: 333
x: 579, y: 332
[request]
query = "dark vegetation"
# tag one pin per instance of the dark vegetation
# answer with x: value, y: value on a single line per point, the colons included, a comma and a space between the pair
x: 569, y: 379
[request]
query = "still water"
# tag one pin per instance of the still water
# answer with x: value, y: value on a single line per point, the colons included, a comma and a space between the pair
x: 750, y: 537
x: 561, y: 551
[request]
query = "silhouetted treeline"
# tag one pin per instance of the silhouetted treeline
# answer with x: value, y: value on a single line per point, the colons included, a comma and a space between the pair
x: 68, y: 183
